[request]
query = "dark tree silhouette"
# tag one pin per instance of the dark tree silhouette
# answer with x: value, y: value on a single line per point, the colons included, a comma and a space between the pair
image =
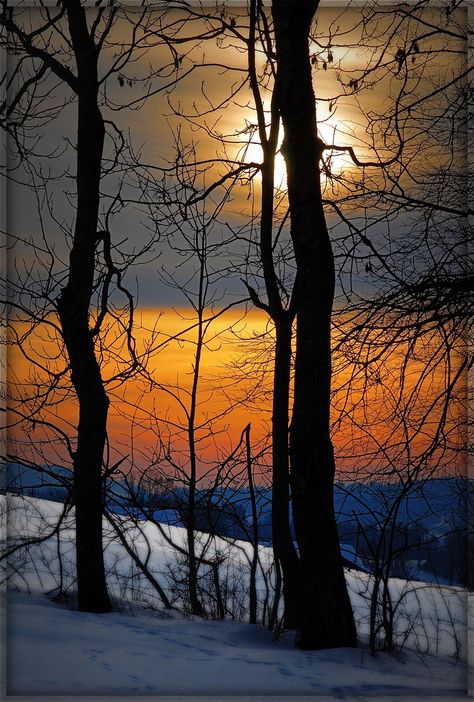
x: 64, y: 46
x: 73, y: 310
x: 75, y: 299
x: 326, y: 618
x: 282, y: 317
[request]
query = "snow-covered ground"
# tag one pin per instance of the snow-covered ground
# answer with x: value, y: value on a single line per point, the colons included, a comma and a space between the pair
x: 142, y: 649
x: 53, y: 650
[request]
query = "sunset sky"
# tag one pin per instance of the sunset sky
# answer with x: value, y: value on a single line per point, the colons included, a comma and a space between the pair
x: 235, y: 384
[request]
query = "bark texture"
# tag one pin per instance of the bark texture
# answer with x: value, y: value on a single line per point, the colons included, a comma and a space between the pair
x: 73, y: 309
x: 326, y: 618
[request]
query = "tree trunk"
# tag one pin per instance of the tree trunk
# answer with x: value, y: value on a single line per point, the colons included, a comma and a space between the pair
x: 326, y: 618
x: 253, y: 504
x: 73, y: 309
x: 283, y: 546
x: 197, y: 607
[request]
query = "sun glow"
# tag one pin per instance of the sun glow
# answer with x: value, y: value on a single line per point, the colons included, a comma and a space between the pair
x: 252, y: 152
x: 235, y: 388
x: 335, y: 162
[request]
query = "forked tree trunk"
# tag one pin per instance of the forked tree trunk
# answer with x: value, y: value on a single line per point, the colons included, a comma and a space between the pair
x: 326, y: 618
x: 73, y: 309
x: 283, y: 547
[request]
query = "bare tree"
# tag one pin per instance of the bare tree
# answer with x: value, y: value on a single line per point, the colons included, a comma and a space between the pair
x: 59, y: 50
x: 185, y: 428
x: 282, y: 317
x: 75, y: 299
x: 326, y: 618
x: 401, y: 361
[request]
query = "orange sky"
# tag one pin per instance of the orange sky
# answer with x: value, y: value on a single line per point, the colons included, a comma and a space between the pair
x: 148, y: 415
x: 236, y: 376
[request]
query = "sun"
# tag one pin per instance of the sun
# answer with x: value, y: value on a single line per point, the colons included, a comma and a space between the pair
x: 336, y: 161
x: 251, y: 152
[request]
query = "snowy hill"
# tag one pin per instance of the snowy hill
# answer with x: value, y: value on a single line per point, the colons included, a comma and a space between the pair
x: 142, y: 648
x: 429, y: 522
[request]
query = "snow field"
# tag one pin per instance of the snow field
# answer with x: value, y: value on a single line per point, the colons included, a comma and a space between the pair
x: 144, y: 649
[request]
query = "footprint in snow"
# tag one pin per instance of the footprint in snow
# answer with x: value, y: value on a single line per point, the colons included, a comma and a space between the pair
x: 94, y: 653
x: 134, y: 678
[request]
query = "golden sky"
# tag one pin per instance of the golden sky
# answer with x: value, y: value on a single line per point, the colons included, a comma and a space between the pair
x: 148, y: 416
x: 235, y: 383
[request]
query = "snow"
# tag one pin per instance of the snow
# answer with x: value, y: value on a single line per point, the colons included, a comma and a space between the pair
x: 142, y: 649
x: 57, y: 651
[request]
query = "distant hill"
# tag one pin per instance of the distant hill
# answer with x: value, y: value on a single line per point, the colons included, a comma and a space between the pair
x: 48, y: 482
x: 428, y: 527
